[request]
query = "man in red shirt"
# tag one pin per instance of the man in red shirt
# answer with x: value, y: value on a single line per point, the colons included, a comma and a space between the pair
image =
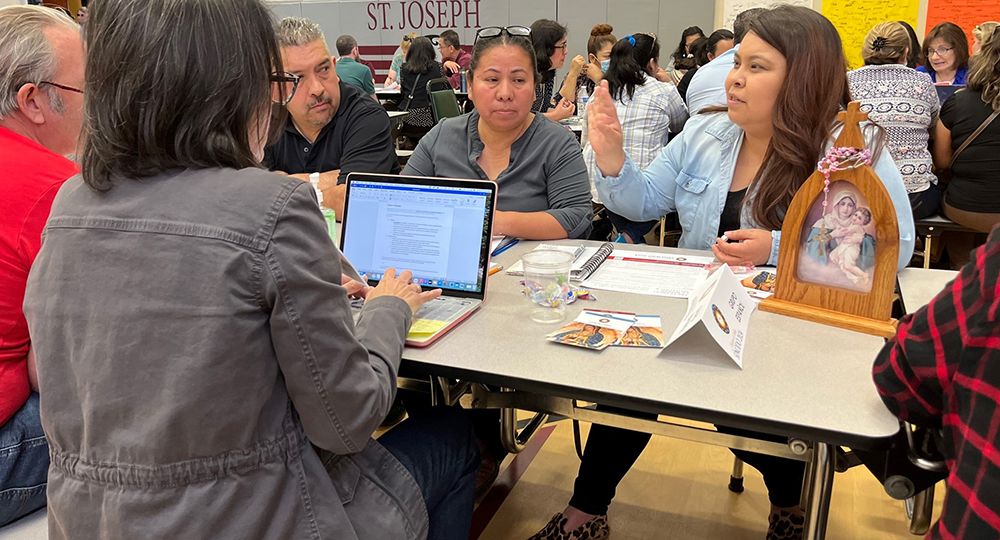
x: 453, y: 58
x: 41, y: 110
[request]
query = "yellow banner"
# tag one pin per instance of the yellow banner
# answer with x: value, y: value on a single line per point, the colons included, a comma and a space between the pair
x: 854, y: 18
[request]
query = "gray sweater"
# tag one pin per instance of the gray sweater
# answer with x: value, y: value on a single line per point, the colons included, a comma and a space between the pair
x: 193, y: 345
x: 546, y: 172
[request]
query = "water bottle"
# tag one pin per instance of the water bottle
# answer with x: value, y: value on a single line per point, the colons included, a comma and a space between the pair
x: 463, y: 83
x: 328, y: 214
x: 581, y: 102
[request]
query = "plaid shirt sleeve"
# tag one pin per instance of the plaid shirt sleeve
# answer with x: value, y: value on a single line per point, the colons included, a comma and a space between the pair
x: 943, y: 370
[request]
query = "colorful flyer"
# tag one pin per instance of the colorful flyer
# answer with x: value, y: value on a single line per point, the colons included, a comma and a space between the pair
x: 646, y: 331
x: 594, y: 329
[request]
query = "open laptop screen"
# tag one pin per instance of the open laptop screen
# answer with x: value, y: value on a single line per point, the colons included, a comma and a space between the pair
x: 440, y: 232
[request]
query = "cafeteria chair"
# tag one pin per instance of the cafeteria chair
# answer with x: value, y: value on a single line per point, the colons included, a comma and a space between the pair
x: 444, y: 104
x: 931, y: 228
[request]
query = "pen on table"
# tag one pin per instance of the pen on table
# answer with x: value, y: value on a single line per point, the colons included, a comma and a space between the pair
x: 495, y: 269
x: 503, y: 247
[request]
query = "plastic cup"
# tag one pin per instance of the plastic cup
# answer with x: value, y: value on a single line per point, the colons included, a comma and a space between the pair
x: 546, y: 283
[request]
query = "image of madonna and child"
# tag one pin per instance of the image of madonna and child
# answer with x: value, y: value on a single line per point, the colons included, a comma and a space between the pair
x: 840, y: 249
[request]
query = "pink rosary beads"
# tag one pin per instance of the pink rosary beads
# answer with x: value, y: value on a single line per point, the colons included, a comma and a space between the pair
x: 841, y: 158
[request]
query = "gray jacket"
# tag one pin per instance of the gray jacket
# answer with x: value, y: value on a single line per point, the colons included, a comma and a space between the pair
x: 192, y: 340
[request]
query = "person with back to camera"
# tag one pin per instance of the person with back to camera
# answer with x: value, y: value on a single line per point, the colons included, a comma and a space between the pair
x: 946, y: 55
x: 754, y: 157
x: 649, y: 111
x: 904, y: 103
x: 420, y: 67
x: 972, y: 197
x: 549, y: 39
x: 204, y: 375
x: 981, y: 34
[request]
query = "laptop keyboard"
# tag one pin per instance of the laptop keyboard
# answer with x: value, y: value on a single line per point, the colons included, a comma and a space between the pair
x: 440, y: 309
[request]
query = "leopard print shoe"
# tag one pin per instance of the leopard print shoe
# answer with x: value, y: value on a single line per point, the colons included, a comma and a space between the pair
x: 595, y: 528
x: 785, y: 525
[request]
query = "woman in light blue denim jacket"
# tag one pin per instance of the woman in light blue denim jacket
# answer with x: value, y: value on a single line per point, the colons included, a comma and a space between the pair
x: 730, y: 175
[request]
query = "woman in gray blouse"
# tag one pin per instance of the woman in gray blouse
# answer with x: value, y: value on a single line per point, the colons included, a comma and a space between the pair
x: 202, y: 371
x: 544, y: 190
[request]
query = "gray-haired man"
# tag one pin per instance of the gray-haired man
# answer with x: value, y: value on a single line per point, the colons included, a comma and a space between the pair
x: 41, y: 102
x: 333, y: 128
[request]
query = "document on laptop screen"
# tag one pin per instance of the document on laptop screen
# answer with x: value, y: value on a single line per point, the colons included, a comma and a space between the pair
x: 437, y: 232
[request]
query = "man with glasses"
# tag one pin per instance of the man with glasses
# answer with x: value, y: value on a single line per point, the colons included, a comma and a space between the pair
x: 453, y: 58
x: 41, y: 111
x: 333, y: 128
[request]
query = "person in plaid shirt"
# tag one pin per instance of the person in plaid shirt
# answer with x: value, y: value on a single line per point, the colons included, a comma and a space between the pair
x: 943, y: 370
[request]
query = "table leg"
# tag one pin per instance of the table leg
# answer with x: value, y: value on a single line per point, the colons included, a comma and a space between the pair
x: 820, y: 488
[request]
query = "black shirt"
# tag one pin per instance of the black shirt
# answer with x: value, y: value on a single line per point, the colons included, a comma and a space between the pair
x: 730, y: 219
x: 975, y: 180
x: 415, y: 84
x: 356, y: 140
x: 682, y: 86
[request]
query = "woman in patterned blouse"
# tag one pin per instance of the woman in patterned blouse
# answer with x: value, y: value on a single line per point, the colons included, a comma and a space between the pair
x: 903, y: 102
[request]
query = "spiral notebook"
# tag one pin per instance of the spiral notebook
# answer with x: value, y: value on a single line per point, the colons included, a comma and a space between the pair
x: 586, y: 259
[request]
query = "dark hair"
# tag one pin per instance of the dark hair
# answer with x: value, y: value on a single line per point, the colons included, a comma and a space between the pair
x: 866, y: 214
x: 420, y: 58
x: 742, y: 23
x: 681, y: 53
x: 485, y: 44
x: 451, y: 38
x: 916, y: 56
x: 628, y: 65
x: 175, y: 105
x: 802, y: 116
x: 600, y: 35
x: 713, y: 40
x: 345, y: 44
x: 545, y: 34
x: 953, y: 36
x: 699, y: 49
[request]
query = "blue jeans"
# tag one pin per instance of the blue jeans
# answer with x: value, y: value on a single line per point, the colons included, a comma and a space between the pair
x: 438, y: 448
x: 24, y: 463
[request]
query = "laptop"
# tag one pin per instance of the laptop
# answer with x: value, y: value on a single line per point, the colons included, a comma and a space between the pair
x: 439, y: 228
x: 945, y: 92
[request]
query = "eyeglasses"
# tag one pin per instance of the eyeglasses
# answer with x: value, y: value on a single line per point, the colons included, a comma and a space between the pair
x: 940, y: 51
x: 490, y: 32
x: 283, y: 86
x: 631, y: 39
x: 62, y: 86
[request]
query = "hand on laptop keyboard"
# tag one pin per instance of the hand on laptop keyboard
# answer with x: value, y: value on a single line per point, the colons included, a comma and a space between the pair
x: 402, y: 286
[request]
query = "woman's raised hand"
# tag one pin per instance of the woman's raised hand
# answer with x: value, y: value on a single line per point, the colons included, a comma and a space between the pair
x: 605, y: 132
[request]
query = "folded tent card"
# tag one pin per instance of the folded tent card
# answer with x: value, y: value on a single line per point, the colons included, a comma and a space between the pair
x: 723, y: 307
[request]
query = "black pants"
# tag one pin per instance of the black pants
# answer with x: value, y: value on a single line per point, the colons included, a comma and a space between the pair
x: 926, y: 203
x: 611, y: 452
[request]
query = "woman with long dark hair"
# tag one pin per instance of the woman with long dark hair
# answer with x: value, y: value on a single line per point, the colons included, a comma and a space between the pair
x: 730, y: 175
x: 421, y: 66
x: 649, y: 111
x: 203, y: 373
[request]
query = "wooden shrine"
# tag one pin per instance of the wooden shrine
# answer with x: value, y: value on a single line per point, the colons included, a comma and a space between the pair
x: 840, y: 242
